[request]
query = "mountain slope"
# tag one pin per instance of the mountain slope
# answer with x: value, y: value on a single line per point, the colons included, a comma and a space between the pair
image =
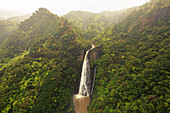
x: 10, y: 25
x: 40, y: 64
x: 133, y: 69
x: 6, y: 28
x: 37, y: 30
x: 150, y: 14
x: 92, y: 24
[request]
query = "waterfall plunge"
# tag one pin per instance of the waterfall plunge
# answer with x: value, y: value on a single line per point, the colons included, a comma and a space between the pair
x: 85, y: 83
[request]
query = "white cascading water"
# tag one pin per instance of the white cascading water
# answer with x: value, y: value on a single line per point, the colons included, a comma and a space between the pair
x: 85, y: 83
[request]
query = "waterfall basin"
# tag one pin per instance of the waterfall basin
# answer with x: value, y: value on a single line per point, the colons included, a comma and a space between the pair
x: 81, y: 103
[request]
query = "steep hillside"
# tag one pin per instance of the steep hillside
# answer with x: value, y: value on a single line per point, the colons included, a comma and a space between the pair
x: 40, y: 63
x: 92, y: 24
x: 6, y: 28
x: 149, y: 15
x: 10, y: 25
x: 38, y: 35
x: 133, y: 69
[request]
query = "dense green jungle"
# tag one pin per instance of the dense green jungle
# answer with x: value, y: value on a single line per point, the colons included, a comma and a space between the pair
x: 41, y: 57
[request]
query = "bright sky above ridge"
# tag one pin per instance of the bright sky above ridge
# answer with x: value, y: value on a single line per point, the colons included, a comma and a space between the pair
x: 61, y: 7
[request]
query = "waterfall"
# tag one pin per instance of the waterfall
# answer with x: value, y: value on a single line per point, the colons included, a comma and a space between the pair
x: 85, y: 83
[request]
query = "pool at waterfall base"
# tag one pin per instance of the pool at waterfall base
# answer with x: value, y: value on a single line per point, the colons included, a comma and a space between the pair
x: 81, y: 103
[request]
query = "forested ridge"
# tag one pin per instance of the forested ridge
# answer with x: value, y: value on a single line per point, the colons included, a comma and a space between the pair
x: 41, y: 60
x: 133, y: 70
x: 7, y: 26
x: 40, y: 64
x: 92, y: 24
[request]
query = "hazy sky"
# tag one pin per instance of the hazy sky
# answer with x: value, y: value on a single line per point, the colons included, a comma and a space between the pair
x: 61, y: 7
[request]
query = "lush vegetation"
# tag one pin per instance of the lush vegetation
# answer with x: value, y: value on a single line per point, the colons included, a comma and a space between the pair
x: 40, y: 64
x: 92, y: 24
x: 6, y: 27
x: 40, y: 61
x: 133, y: 71
x: 10, y: 25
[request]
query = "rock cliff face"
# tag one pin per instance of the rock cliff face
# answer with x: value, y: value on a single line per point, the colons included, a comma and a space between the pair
x: 81, y: 55
x: 95, y: 53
